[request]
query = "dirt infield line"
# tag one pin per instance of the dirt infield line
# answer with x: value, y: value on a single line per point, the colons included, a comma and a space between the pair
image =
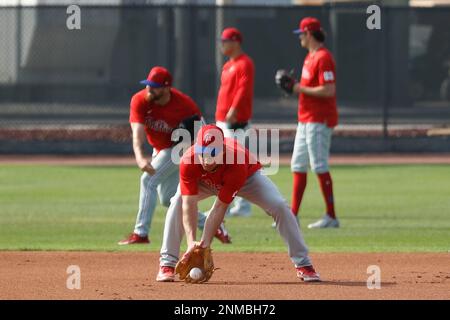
x: 285, y: 159
x: 131, y: 275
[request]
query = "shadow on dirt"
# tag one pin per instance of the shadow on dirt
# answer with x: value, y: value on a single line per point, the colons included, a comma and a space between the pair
x: 344, y: 283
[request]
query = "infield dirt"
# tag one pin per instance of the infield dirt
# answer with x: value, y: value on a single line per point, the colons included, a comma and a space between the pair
x: 131, y: 275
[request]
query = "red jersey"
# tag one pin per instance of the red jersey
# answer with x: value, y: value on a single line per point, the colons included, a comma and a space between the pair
x: 318, y: 70
x: 226, y: 181
x: 236, y: 89
x: 160, y: 121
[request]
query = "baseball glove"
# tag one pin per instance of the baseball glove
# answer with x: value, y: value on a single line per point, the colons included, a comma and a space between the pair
x: 200, y: 258
x: 285, y: 81
x: 189, y: 125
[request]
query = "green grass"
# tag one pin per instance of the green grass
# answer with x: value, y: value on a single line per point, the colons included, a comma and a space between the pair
x: 382, y: 209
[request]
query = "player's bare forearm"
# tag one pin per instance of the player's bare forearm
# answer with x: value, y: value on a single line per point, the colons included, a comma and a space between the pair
x: 138, y: 148
x: 231, y: 116
x: 190, y: 216
x: 325, y: 91
x: 243, y: 91
x: 138, y: 140
x: 213, y: 221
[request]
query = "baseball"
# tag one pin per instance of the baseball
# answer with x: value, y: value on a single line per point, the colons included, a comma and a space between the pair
x: 196, y: 273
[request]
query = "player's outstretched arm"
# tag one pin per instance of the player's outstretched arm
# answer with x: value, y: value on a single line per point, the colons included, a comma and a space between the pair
x: 213, y: 221
x: 190, y: 216
x: 138, y: 147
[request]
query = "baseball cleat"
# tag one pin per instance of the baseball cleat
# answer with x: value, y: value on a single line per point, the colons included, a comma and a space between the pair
x: 166, y: 274
x: 240, y: 209
x: 308, y: 274
x: 325, y: 222
x: 134, y: 239
x: 222, y: 234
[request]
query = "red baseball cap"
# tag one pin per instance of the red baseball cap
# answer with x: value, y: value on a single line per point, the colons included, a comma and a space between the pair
x: 308, y: 24
x: 209, y: 140
x: 231, y: 34
x: 158, y: 77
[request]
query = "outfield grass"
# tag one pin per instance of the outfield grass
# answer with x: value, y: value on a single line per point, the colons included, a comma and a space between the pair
x: 382, y: 208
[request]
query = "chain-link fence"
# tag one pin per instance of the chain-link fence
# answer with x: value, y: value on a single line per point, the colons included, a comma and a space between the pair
x: 398, y: 75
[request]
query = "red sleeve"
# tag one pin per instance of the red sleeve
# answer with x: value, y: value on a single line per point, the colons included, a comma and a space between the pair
x: 188, y: 179
x: 234, y: 180
x: 190, y: 108
x: 327, y: 73
x: 246, y: 75
x: 136, y: 110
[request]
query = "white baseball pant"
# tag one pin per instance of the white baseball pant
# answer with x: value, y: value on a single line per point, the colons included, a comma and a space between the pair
x: 311, y: 148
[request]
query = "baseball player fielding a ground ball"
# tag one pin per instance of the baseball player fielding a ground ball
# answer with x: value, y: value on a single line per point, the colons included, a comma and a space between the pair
x: 155, y: 112
x: 221, y: 167
x: 317, y: 116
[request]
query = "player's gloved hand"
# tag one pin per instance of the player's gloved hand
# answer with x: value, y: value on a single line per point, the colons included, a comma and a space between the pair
x: 189, y: 125
x: 196, y: 257
x: 285, y: 81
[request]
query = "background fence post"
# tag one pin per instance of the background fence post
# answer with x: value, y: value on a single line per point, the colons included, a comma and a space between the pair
x: 385, y: 80
x: 19, y: 41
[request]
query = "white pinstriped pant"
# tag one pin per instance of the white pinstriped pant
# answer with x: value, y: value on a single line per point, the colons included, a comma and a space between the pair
x: 311, y: 148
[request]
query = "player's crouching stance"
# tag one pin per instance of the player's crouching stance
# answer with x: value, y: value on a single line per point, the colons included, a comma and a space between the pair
x: 218, y: 166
